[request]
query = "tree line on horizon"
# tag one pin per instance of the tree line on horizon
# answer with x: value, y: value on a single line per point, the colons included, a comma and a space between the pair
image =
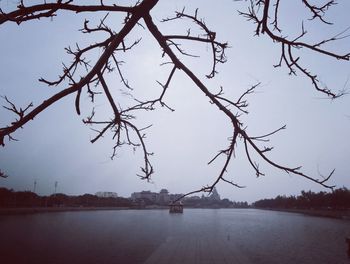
x: 10, y: 198
x: 337, y: 199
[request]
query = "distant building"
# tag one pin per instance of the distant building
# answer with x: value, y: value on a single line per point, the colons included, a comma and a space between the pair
x: 194, y: 198
x: 162, y: 198
x: 174, y: 197
x: 106, y: 194
x: 214, y: 195
x: 152, y: 196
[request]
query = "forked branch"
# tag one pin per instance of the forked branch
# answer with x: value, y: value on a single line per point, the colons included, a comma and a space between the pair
x: 84, y: 75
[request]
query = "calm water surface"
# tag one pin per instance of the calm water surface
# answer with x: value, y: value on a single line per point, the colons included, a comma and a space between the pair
x: 155, y: 236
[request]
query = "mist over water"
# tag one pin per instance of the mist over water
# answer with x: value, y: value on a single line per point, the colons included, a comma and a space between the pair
x: 155, y: 236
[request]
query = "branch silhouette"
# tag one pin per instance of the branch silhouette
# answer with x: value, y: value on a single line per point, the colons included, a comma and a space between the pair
x: 259, y: 13
x: 265, y: 14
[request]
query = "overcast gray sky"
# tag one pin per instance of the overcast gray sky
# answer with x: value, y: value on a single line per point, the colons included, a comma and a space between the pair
x: 56, y: 147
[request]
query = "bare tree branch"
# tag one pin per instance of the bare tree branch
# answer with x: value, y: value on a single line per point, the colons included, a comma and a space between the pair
x: 292, y: 63
x: 85, y: 75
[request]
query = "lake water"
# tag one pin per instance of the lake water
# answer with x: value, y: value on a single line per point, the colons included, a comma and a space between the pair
x: 155, y: 236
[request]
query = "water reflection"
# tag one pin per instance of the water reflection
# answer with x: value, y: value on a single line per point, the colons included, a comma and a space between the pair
x: 155, y: 236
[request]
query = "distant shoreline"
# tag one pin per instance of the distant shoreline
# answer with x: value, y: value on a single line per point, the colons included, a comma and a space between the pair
x: 33, y: 210
x: 335, y: 214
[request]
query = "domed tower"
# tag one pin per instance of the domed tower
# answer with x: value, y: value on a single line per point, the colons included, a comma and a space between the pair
x: 163, y: 196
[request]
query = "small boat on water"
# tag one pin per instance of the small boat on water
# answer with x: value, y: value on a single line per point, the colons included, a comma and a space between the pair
x: 176, y: 207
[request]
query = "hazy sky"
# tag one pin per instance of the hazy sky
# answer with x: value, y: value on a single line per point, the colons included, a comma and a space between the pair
x: 56, y: 145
